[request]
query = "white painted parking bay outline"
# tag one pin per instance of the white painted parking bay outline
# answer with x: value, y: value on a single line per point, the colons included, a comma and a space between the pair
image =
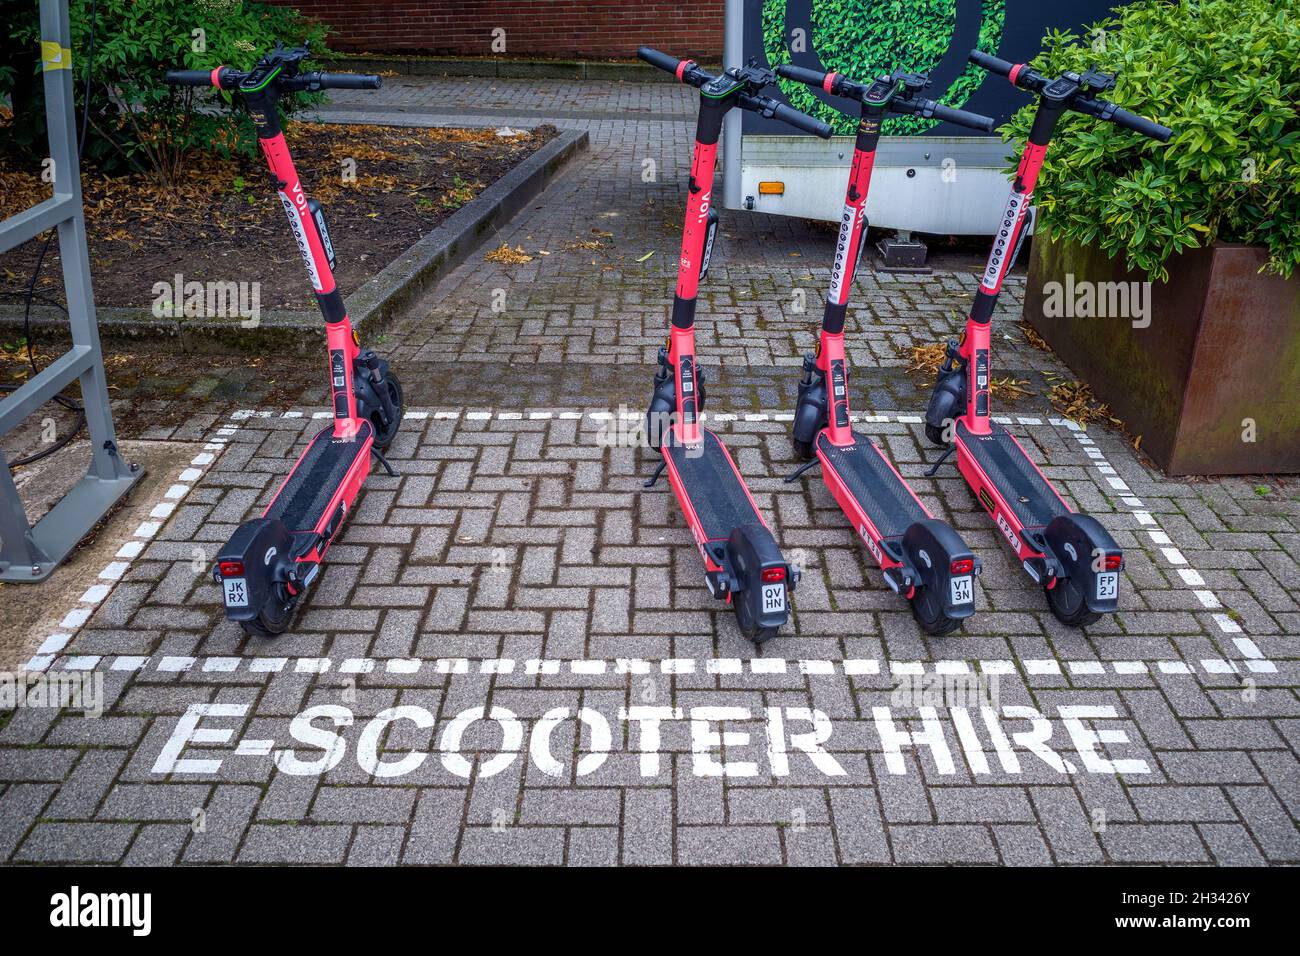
x: 595, y: 667
x: 96, y: 593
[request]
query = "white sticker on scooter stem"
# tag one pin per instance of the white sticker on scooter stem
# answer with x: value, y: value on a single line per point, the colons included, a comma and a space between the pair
x: 1002, y: 241
x: 300, y: 236
x: 850, y: 226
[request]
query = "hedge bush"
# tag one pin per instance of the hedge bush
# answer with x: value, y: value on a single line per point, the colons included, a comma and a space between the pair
x: 1225, y: 75
x: 135, y: 119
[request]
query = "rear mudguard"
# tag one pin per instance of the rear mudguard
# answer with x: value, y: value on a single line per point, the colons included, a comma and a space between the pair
x: 751, y: 550
x: 1079, y: 542
x: 265, y: 547
x: 931, y: 547
x: 948, y: 400
x: 810, y: 414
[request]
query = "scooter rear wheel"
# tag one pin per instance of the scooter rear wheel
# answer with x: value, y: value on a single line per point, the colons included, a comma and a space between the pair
x: 384, y: 436
x: 749, y: 627
x: 929, y: 613
x: 1068, y: 605
x: 275, y: 616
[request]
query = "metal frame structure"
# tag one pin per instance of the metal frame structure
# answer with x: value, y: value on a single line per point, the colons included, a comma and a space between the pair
x: 31, y: 552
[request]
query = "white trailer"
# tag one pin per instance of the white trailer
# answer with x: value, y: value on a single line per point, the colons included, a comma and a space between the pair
x: 942, y: 180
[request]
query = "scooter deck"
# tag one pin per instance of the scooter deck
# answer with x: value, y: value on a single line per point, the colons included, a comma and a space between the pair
x: 715, y: 489
x: 1019, y: 482
x: 868, y: 476
x: 315, y: 479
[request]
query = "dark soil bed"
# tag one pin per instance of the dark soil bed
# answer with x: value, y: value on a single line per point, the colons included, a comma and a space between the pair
x: 223, y: 222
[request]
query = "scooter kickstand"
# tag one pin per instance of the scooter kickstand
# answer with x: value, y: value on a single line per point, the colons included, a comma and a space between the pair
x: 802, y: 470
x: 392, y: 472
x: 650, y: 482
x: 934, y: 469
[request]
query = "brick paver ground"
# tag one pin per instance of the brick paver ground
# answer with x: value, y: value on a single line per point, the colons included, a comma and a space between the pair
x: 511, y: 657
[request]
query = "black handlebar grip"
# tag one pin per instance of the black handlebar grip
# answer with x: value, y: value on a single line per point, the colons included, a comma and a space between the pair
x: 350, y: 81
x: 669, y: 64
x: 991, y: 63
x: 963, y: 118
x: 188, y: 77
x: 788, y: 114
x: 799, y: 74
x: 1140, y: 124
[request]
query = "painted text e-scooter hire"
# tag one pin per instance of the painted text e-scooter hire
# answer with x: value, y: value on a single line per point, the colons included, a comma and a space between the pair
x: 743, y: 564
x: 923, y: 559
x: 270, y: 561
x: 1074, y: 558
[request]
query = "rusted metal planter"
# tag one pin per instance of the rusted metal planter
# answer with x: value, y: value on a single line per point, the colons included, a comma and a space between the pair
x: 1217, y: 365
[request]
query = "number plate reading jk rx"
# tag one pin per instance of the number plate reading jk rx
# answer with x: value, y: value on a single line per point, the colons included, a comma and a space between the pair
x: 773, y: 598
x: 236, y: 592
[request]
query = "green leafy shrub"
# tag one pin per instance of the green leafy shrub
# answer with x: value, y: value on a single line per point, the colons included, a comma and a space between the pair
x: 1225, y: 75
x: 135, y: 119
x: 864, y: 38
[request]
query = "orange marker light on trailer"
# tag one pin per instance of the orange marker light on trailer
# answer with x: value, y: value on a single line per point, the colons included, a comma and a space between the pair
x: 771, y: 189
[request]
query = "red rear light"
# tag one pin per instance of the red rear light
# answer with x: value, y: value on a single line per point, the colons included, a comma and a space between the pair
x: 231, y: 569
x: 1113, y: 561
x: 962, y: 566
x: 771, y: 575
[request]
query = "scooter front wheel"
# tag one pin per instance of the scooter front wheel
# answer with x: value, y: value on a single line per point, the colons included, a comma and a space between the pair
x: 275, y: 616
x: 929, y: 613
x: 1068, y: 605
x: 384, y: 436
x: 935, y: 434
x: 803, y: 450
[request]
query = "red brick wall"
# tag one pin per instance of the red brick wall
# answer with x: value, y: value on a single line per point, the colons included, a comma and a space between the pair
x: 564, y: 28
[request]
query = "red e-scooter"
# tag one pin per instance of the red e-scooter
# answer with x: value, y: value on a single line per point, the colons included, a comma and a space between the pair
x: 923, y: 559
x: 270, y: 561
x: 743, y: 564
x: 1069, y: 553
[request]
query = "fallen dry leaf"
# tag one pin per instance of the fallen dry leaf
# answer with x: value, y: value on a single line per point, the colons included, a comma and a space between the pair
x: 504, y: 254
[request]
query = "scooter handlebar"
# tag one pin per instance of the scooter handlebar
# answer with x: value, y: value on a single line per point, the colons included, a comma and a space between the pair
x: 1140, y: 124
x: 801, y: 74
x: 992, y: 63
x: 669, y: 64
x: 346, y: 81
x: 786, y: 114
x: 961, y: 117
x: 188, y: 77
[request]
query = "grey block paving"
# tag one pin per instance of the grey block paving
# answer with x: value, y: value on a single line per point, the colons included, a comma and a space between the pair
x: 516, y: 532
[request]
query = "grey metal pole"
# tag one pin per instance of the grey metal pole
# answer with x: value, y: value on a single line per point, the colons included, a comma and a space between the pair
x: 27, y: 552
x: 733, y: 54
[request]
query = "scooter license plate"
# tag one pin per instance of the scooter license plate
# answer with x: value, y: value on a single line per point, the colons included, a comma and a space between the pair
x: 236, y: 592
x: 773, y: 598
x: 963, y: 590
x: 1107, y: 585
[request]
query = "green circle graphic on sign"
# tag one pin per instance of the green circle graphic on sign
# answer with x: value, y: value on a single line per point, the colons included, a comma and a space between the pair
x: 864, y: 38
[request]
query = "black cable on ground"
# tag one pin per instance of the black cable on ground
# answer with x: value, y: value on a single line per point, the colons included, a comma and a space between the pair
x: 31, y: 293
